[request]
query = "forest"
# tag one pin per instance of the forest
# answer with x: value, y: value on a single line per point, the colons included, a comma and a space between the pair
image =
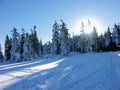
x: 27, y: 46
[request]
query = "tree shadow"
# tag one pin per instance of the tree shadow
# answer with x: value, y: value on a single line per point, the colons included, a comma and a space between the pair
x: 37, y: 80
x: 20, y: 67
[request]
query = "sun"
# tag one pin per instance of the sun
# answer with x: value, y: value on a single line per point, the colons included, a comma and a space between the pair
x: 88, y: 23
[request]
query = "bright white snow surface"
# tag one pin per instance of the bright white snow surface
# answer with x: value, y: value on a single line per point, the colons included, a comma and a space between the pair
x: 91, y: 71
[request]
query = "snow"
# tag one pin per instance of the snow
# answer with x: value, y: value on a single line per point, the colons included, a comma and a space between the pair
x: 118, y: 54
x: 91, y: 71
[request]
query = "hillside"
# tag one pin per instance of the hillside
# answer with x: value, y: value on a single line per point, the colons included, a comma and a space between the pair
x: 91, y: 71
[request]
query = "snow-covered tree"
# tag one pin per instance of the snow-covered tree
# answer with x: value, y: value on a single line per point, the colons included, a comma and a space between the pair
x: 94, y: 39
x: 7, y: 48
x: 64, y: 39
x: 89, y: 42
x: 108, y: 39
x: 55, y: 47
x: 82, y: 31
x: 26, y: 48
x: 1, y: 54
x: 116, y: 35
x: 73, y: 43
x: 34, y: 43
x: 82, y: 41
x: 40, y: 48
x: 101, y: 43
x: 47, y: 48
x: 15, y: 49
x: 22, y: 37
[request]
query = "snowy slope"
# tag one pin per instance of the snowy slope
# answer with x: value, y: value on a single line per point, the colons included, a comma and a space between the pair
x: 91, y: 71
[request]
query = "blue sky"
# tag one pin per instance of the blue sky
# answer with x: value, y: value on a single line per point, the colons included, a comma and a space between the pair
x: 42, y: 13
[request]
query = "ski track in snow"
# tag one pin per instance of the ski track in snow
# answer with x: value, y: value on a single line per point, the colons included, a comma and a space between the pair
x: 91, y: 71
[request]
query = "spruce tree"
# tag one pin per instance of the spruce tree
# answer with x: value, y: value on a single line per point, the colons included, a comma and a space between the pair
x: 47, y: 48
x: 34, y: 43
x: 1, y: 54
x: 94, y: 40
x: 74, y: 42
x: 7, y: 48
x: 64, y: 39
x: 82, y: 41
x: 118, y: 30
x: 55, y: 48
x: 108, y: 39
x: 22, y: 37
x: 15, y: 49
x: 26, y: 48
x: 115, y: 38
x: 101, y: 43
x: 88, y: 42
x: 40, y: 48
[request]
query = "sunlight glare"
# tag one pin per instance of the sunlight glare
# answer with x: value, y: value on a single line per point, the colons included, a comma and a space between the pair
x: 88, y: 25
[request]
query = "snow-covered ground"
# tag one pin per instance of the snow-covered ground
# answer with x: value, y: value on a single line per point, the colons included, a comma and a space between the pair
x: 91, y: 71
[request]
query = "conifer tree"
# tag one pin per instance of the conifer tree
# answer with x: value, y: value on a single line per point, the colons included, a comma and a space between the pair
x: 64, y: 39
x: 118, y: 31
x: 40, y: 48
x: 15, y: 49
x: 82, y: 42
x: 55, y: 48
x: 1, y: 54
x: 7, y: 47
x: 34, y: 43
x: 75, y: 41
x: 22, y: 37
x: 101, y: 43
x: 108, y: 39
x: 72, y: 42
x: 26, y: 48
x: 94, y: 40
x: 47, y: 48
x: 115, y: 40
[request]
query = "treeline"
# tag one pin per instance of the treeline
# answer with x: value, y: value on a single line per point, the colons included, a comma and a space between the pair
x: 27, y: 46
x: 22, y: 47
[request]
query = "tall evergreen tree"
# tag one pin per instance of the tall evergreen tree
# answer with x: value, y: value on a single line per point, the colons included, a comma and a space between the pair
x: 55, y: 48
x: 7, y: 47
x: 89, y: 42
x: 108, y: 39
x: 26, y: 48
x: 82, y: 42
x: 1, y: 54
x: 115, y: 37
x: 22, y: 37
x: 15, y: 49
x: 94, y: 40
x: 82, y: 31
x: 47, y: 48
x: 40, y: 48
x: 101, y: 43
x: 64, y: 39
x: 73, y: 43
x: 34, y: 43
x: 118, y: 30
